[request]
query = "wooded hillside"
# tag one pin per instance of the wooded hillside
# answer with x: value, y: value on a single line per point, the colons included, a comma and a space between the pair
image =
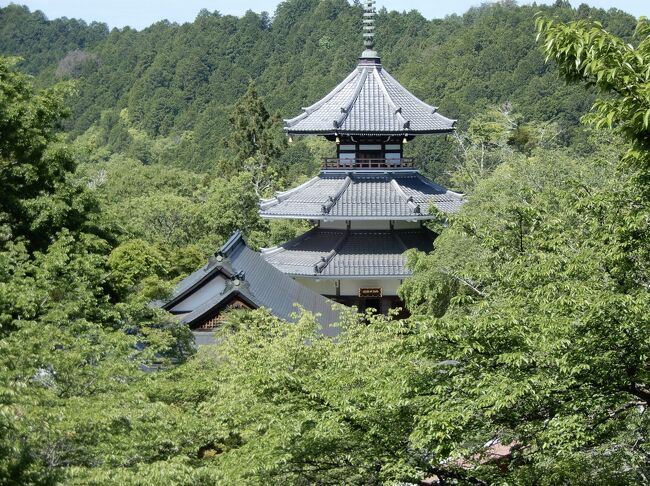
x: 164, y: 94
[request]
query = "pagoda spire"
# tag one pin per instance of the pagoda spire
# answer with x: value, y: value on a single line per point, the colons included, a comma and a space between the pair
x: 369, y: 29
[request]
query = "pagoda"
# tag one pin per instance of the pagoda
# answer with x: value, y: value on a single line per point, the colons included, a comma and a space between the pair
x: 368, y: 204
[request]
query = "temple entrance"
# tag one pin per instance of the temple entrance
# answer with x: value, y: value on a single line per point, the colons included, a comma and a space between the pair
x: 368, y: 303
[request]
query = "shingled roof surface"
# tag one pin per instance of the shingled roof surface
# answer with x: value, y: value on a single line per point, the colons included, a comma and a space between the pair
x: 259, y: 283
x: 369, y: 101
x: 357, y: 253
x: 378, y: 195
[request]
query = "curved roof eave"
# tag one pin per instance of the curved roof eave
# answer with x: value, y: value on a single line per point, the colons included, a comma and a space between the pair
x: 401, y: 133
x: 386, y: 108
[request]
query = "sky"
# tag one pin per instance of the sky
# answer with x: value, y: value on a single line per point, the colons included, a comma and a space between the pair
x: 141, y: 13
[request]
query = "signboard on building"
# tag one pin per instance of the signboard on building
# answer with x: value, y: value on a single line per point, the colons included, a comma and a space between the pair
x: 375, y: 293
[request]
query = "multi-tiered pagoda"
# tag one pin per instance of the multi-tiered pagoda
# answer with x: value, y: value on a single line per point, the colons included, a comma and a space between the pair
x: 368, y: 206
x: 369, y: 203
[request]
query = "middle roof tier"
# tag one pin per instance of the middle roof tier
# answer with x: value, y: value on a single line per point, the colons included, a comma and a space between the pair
x: 362, y: 195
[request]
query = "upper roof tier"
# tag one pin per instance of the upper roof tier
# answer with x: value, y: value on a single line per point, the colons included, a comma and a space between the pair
x: 369, y: 102
x: 362, y: 195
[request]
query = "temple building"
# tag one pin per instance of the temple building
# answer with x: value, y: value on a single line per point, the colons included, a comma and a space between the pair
x: 367, y: 207
x: 369, y: 203
x: 236, y: 277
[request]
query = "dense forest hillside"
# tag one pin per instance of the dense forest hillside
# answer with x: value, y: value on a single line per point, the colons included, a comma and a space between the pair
x: 127, y: 157
x: 164, y: 94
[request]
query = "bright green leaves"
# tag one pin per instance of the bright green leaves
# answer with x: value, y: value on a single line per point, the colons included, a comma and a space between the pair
x: 585, y: 51
x: 543, y: 317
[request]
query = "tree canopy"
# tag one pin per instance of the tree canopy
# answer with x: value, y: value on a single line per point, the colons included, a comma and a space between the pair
x: 525, y: 358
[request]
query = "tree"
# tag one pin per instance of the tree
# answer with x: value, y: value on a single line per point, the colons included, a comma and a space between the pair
x: 63, y: 334
x: 585, y: 52
x: 131, y: 263
x: 258, y: 142
x: 540, y: 285
x: 38, y: 195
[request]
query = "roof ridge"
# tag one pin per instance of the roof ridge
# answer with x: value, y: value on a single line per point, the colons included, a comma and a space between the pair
x: 327, y: 259
x: 278, y: 248
x: 218, y: 300
x: 434, y: 109
x: 429, y: 182
x: 283, y: 195
x: 327, y: 207
x: 355, y: 95
x: 408, y: 199
x: 235, y: 239
x: 312, y: 108
x: 397, y: 110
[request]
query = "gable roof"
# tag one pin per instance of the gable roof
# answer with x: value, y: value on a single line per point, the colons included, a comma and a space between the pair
x: 362, y: 195
x: 369, y: 101
x: 253, y: 280
x: 326, y: 253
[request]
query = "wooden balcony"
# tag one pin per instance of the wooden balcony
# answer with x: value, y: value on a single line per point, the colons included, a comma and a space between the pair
x: 392, y: 164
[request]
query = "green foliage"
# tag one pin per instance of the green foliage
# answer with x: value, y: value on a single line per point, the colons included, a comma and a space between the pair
x: 530, y: 319
x: 255, y: 132
x: 165, y: 94
x: 63, y: 335
x: 132, y: 262
x: 38, y: 197
x: 585, y: 51
x: 26, y: 34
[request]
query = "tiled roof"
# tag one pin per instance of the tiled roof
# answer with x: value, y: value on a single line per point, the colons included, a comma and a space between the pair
x: 260, y: 283
x: 333, y: 253
x: 341, y: 195
x: 369, y: 101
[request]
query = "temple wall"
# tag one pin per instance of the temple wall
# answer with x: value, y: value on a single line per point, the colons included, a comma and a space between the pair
x: 370, y: 225
x: 401, y: 225
x: 323, y: 287
x: 350, y: 287
x: 388, y: 286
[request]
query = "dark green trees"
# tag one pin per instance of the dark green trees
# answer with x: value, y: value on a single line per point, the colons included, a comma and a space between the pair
x: 64, y: 332
x: 257, y: 142
x: 179, y: 83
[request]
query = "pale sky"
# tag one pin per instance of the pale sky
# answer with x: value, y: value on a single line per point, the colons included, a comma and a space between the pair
x: 142, y: 13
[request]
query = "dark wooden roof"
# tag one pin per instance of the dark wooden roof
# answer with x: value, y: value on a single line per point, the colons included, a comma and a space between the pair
x: 325, y: 253
x: 253, y: 280
x: 362, y: 195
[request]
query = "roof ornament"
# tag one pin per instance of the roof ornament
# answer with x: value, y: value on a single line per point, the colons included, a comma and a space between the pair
x: 369, y: 30
x: 236, y: 281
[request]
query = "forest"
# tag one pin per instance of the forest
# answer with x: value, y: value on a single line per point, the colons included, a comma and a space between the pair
x: 126, y: 159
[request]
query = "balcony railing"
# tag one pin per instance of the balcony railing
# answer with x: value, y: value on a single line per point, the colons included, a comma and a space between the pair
x: 393, y: 164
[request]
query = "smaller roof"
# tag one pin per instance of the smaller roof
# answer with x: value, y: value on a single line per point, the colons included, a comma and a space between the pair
x: 250, y: 279
x: 369, y: 102
x: 325, y: 253
x: 362, y: 195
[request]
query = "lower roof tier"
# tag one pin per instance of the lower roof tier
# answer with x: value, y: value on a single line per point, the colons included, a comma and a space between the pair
x: 323, y: 253
x: 362, y: 195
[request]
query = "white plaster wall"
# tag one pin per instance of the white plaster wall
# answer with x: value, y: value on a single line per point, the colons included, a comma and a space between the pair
x: 407, y: 224
x: 388, y: 285
x: 201, y: 296
x: 370, y: 225
x: 323, y: 287
x: 338, y: 225
x: 351, y: 287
